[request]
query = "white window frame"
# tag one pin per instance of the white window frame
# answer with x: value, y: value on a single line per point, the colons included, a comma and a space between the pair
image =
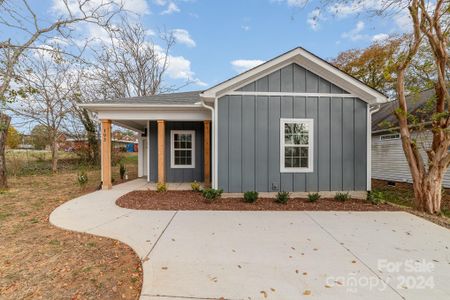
x: 310, y: 168
x: 172, y: 149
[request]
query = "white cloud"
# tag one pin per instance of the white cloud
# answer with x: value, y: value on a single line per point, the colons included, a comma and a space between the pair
x: 160, y: 2
x: 241, y: 65
x: 293, y: 3
x: 171, y: 8
x: 134, y: 6
x: 180, y: 68
x: 355, y: 34
x: 182, y: 36
x: 245, y: 27
x: 314, y: 17
x: 380, y: 37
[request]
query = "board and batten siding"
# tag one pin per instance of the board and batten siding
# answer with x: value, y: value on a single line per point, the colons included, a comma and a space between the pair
x: 389, y: 161
x: 249, y: 136
x: 176, y: 174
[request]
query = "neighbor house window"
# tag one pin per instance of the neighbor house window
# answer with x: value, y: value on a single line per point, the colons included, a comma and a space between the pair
x: 296, y: 145
x: 182, y: 148
x: 388, y: 137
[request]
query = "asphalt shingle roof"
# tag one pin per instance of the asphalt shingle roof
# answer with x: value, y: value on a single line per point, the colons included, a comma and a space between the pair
x: 386, y: 113
x: 185, y: 98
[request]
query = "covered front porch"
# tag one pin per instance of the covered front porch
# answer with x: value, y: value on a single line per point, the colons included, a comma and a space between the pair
x: 175, y: 143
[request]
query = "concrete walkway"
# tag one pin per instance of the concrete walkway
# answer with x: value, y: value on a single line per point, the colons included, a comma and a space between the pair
x: 271, y: 255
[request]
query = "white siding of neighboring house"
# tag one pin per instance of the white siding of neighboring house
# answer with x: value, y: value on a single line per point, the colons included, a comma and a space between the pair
x: 389, y: 162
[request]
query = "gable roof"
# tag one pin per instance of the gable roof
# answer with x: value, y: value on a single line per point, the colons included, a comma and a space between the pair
x: 310, y: 62
x: 416, y: 106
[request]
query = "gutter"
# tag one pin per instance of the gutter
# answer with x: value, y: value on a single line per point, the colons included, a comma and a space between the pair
x: 398, y: 127
x: 135, y: 105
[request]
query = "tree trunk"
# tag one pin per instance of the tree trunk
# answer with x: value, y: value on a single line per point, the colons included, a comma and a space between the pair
x: 54, y: 150
x: 4, y: 125
x: 91, y: 132
x: 428, y: 194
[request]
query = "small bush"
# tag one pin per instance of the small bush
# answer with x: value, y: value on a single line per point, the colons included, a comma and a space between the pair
x: 282, y: 197
x: 313, y: 197
x: 250, y: 196
x: 161, y: 187
x: 82, y: 178
x: 122, y: 171
x: 211, y: 194
x: 376, y: 197
x: 195, y: 186
x: 342, y: 197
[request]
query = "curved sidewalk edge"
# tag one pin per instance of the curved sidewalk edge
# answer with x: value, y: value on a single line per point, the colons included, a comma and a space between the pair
x: 96, y: 213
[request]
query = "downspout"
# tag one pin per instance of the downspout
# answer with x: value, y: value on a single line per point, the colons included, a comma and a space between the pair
x: 370, y: 112
x: 213, y: 137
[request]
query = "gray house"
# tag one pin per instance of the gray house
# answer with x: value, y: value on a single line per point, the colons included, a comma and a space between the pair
x: 388, y: 159
x: 295, y: 123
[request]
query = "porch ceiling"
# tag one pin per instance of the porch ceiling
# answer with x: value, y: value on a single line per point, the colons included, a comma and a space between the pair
x: 135, y: 125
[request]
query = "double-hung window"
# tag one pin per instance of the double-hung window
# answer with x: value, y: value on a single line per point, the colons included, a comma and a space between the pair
x: 182, y: 149
x: 296, y: 140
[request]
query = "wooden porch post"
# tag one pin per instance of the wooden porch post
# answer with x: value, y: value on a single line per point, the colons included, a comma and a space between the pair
x: 106, y: 154
x: 161, y: 151
x: 207, y: 152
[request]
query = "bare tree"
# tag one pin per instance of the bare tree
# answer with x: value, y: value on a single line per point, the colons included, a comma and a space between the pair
x: 26, y: 30
x: 131, y: 64
x: 128, y: 64
x: 50, y: 82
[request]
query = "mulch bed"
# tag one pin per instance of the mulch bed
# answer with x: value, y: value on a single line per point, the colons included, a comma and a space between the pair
x: 189, y: 200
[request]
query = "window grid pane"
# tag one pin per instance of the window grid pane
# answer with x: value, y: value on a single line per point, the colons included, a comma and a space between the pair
x: 296, y: 145
x: 182, y: 144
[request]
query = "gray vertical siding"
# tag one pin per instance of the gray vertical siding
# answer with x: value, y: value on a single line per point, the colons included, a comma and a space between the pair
x: 249, y: 136
x: 248, y: 143
x: 176, y: 174
x: 292, y: 78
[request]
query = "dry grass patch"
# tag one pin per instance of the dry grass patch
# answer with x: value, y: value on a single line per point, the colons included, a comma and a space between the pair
x: 41, y: 261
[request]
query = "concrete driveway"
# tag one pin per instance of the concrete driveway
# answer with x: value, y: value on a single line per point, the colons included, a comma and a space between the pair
x: 271, y: 255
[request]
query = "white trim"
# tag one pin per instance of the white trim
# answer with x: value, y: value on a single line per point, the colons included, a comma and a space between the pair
x: 172, y: 149
x: 140, y: 157
x: 320, y: 95
x: 154, y: 115
x: 310, y: 168
x: 369, y: 145
x: 215, y: 184
x: 136, y: 105
x: 369, y: 149
x: 148, y: 151
x: 309, y: 62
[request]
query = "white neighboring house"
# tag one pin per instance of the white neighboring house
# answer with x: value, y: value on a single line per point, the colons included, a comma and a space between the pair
x: 388, y: 159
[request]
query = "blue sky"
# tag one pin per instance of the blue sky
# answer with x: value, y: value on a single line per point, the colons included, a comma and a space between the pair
x: 218, y: 39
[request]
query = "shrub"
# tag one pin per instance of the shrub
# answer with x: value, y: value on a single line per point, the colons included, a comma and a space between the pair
x: 342, y: 197
x: 282, y: 197
x: 313, y: 197
x: 122, y: 171
x: 161, y: 187
x: 211, y: 194
x: 82, y: 178
x: 195, y: 186
x: 250, y: 196
x: 376, y: 197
